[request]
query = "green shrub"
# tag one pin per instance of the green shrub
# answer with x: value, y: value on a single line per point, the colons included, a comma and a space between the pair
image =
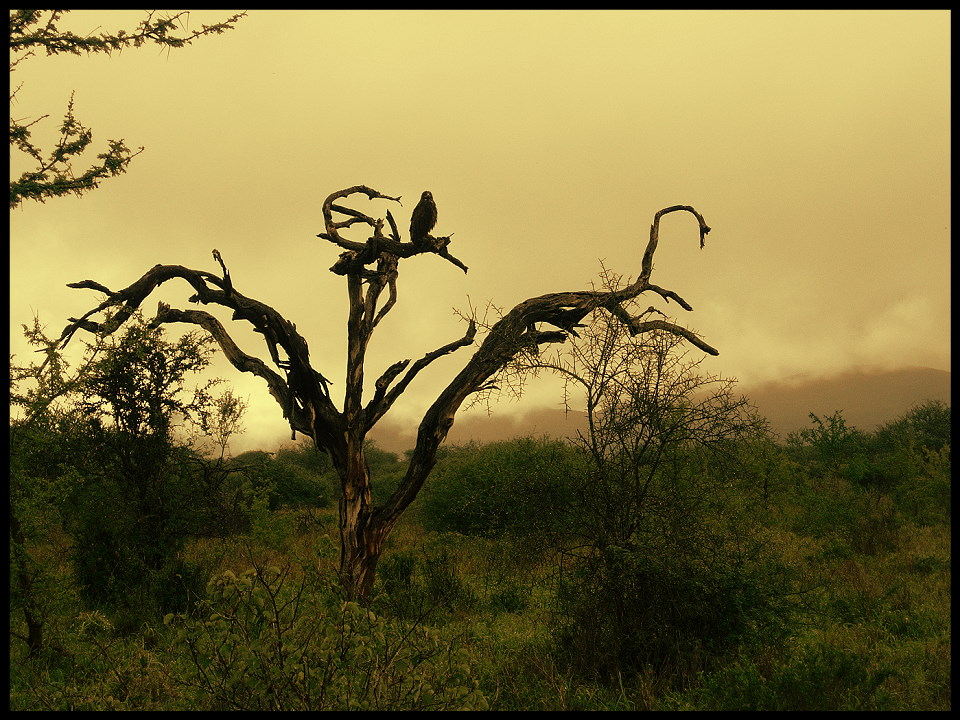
x: 816, y: 678
x: 292, y: 477
x: 395, y: 575
x: 926, y: 499
x: 830, y: 446
x: 425, y: 583
x: 443, y: 584
x: 627, y: 608
x: 864, y: 520
x: 265, y: 643
x: 127, y: 564
x: 509, y: 597
x: 927, y: 426
x: 101, y: 670
x: 519, y: 487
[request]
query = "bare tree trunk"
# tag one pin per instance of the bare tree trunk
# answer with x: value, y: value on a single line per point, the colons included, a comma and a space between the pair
x: 360, y: 543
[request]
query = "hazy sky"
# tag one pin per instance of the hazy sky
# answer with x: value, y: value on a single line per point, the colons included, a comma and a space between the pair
x: 815, y: 143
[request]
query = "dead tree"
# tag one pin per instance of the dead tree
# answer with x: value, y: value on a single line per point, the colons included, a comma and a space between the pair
x: 370, y: 268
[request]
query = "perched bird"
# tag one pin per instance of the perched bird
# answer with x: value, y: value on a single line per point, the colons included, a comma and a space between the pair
x: 424, y: 217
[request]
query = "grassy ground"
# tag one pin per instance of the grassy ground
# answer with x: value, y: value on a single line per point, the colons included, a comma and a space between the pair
x: 875, y: 633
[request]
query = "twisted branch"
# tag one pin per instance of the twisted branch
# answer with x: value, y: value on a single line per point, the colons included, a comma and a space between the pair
x: 303, y: 395
x: 359, y: 254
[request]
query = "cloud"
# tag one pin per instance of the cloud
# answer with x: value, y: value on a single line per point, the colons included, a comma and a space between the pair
x: 909, y: 331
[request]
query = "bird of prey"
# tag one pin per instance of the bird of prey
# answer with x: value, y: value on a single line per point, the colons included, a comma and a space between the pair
x: 424, y: 217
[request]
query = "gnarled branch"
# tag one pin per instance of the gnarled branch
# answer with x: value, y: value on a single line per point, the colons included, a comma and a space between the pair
x: 303, y: 395
x: 647, y: 263
x: 360, y: 254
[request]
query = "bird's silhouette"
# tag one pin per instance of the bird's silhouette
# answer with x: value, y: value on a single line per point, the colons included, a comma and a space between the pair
x: 424, y: 217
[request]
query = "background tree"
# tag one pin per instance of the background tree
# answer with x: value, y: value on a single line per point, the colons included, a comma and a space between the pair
x: 102, y: 469
x: 914, y: 453
x: 303, y: 393
x: 53, y: 174
x: 132, y: 452
x: 662, y: 556
x: 832, y: 445
x: 39, y: 476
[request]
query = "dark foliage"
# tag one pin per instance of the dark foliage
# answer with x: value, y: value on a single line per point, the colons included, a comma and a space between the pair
x: 517, y: 487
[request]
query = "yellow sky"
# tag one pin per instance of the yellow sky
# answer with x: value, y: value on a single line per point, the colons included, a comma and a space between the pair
x: 815, y: 143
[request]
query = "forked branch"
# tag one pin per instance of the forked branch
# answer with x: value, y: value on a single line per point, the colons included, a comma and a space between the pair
x: 302, y: 392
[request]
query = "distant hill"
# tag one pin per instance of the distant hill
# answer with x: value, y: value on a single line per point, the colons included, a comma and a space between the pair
x: 868, y: 398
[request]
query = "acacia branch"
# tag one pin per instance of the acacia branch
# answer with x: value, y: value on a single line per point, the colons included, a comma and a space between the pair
x: 54, y: 174
x: 55, y: 41
x: 647, y: 263
x: 383, y: 400
x: 303, y: 394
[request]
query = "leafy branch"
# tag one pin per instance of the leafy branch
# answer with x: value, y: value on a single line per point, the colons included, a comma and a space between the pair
x: 53, y: 173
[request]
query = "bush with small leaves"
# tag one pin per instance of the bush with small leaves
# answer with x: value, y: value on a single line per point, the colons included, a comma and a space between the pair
x: 632, y: 607
x: 818, y: 677
x: 502, y: 488
x: 266, y: 643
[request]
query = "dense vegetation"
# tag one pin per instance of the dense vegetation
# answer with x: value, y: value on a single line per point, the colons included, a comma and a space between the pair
x: 702, y: 565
